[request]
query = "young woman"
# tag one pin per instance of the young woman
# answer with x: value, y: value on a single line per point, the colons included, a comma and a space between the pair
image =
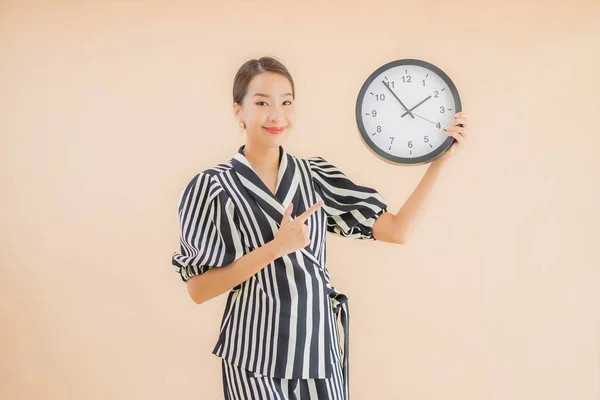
x: 256, y: 226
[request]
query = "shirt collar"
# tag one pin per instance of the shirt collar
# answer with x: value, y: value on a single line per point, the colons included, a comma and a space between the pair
x: 288, y: 178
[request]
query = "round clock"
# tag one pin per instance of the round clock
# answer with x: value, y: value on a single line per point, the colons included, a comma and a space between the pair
x: 402, y: 111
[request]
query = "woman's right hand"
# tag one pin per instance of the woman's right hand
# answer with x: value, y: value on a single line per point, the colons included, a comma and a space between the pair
x: 293, y: 233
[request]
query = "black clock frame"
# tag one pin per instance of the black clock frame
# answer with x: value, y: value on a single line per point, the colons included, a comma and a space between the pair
x: 359, y: 117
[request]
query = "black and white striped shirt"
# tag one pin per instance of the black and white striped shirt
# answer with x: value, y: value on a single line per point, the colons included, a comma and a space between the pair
x: 282, y: 321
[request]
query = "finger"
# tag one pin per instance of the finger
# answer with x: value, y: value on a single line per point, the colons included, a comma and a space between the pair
x: 311, y: 210
x: 287, y: 214
x: 451, y: 149
x: 457, y: 129
x: 459, y: 138
x: 460, y: 120
x: 454, y: 148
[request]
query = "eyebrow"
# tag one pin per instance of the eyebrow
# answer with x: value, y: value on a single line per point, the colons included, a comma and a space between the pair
x: 266, y: 95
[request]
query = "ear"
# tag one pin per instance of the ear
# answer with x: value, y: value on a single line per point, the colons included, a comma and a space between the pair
x: 237, y: 110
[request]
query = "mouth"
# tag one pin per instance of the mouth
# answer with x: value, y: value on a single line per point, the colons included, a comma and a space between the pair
x: 274, y: 130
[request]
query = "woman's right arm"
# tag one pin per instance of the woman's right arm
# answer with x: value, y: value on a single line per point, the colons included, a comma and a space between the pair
x: 216, y: 281
x: 291, y: 236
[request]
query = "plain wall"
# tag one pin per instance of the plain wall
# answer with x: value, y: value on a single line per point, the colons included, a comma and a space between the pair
x: 107, y: 109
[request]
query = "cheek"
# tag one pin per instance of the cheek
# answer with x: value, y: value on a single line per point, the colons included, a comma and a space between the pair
x: 259, y: 114
x: 290, y: 115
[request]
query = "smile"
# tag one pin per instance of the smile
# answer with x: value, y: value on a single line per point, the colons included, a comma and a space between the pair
x: 274, y: 131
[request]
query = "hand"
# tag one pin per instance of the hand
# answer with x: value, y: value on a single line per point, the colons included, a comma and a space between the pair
x: 458, y: 130
x: 418, y: 104
x: 399, y: 101
x: 293, y: 233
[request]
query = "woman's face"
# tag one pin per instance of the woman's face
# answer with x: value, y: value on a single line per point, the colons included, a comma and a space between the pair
x: 268, y: 104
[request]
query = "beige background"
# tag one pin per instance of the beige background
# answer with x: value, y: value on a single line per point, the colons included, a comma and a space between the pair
x: 108, y: 108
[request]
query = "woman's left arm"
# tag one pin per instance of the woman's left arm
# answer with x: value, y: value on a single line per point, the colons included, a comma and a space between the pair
x: 397, y: 228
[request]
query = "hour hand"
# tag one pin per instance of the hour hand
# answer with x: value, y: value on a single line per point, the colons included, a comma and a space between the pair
x: 418, y: 104
x: 400, y: 101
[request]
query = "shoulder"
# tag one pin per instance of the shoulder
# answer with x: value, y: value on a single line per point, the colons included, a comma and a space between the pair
x: 321, y: 167
x: 317, y: 166
x: 317, y: 163
x: 211, y: 175
x: 205, y: 183
x: 218, y: 169
x: 315, y: 160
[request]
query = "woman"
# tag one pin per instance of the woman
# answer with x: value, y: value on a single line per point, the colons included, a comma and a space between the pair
x: 256, y: 226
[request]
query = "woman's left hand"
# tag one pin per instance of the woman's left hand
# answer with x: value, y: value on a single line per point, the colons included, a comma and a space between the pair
x: 457, y: 132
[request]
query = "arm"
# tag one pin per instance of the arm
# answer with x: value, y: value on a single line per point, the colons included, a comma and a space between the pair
x: 216, y: 281
x: 292, y: 235
x: 397, y: 228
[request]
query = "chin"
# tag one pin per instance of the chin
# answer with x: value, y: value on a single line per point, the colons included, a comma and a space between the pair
x: 277, y: 141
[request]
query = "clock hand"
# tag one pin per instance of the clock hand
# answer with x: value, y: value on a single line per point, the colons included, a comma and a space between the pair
x: 434, y: 123
x: 400, y: 101
x: 408, y: 111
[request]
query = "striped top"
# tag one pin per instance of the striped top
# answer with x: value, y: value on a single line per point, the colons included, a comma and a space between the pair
x: 281, y: 322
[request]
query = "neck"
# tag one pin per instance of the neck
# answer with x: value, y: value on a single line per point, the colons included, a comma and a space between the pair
x: 262, y: 158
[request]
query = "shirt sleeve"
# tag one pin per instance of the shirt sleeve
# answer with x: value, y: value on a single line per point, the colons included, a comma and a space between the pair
x: 351, y: 209
x: 208, y: 234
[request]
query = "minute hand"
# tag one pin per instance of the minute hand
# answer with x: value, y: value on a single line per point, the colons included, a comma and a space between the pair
x: 423, y: 101
x: 399, y: 101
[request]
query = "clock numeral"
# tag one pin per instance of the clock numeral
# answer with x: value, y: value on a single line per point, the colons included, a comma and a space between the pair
x: 436, y: 94
x: 378, y: 130
x: 391, y: 83
x: 438, y: 125
x: 442, y: 110
x: 391, y: 142
x: 406, y: 79
x: 426, y: 139
x: 423, y: 82
x: 374, y: 113
x: 410, y: 144
x: 380, y: 97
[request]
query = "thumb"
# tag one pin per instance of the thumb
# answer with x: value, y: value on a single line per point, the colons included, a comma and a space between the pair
x: 287, y: 213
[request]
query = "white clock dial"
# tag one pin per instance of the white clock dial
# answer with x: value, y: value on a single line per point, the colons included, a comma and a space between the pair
x: 403, y: 108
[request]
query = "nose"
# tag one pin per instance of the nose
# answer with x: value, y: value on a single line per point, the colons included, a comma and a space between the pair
x: 276, y: 113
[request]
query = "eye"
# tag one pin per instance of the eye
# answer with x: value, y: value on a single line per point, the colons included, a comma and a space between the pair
x: 258, y: 103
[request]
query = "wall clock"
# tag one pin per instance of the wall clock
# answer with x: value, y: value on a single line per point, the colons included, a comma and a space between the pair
x: 402, y: 109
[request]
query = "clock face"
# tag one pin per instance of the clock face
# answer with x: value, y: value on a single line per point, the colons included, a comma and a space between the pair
x: 403, y: 108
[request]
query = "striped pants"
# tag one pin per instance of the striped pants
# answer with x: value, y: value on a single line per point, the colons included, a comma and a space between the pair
x: 241, y: 384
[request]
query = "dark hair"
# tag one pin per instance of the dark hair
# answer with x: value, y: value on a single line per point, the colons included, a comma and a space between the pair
x: 253, y: 67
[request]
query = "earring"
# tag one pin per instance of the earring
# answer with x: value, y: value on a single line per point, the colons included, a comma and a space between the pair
x: 242, y: 125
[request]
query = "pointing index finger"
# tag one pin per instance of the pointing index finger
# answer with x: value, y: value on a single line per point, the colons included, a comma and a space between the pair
x: 304, y: 216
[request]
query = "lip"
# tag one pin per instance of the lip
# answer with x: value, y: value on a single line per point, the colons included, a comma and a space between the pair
x: 274, y: 131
